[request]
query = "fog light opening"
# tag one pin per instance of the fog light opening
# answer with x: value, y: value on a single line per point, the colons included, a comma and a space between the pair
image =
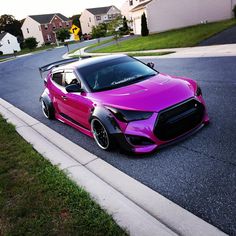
x: 139, y: 140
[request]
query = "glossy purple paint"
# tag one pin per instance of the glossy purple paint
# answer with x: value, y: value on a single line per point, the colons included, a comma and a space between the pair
x: 151, y: 95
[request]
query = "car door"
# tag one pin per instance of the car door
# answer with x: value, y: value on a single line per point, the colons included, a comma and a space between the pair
x: 77, y: 105
x: 58, y: 91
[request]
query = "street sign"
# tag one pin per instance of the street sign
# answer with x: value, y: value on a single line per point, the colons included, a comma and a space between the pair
x: 75, y: 31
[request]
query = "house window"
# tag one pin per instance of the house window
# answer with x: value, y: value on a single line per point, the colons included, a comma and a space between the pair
x: 131, y: 2
x: 109, y: 17
x: 98, y: 17
x: 8, y: 41
x: 88, y: 24
x: 46, y: 27
x: 53, y: 25
x: 89, y: 19
x: 27, y: 30
x: 60, y: 24
x: 67, y: 24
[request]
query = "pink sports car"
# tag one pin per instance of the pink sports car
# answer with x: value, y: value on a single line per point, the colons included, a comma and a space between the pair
x: 119, y: 100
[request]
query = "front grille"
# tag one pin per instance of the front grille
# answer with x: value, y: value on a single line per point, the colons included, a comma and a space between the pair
x: 177, y: 120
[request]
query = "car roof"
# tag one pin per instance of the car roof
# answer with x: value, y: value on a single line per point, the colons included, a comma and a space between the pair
x: 88, y: 62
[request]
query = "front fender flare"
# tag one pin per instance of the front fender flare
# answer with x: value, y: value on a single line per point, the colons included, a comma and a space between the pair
x: 106, y: 118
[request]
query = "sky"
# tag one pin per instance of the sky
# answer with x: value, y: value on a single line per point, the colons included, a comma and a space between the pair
x: 22, y: 8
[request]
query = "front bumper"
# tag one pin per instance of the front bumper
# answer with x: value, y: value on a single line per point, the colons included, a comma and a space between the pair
x: 143, y: 136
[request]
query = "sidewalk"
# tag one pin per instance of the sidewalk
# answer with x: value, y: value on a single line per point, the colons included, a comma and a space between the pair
x: 189, y: 52
x: 134, y: 206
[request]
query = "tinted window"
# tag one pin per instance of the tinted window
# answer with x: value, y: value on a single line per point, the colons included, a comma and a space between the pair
x: 70, y: 78
x: 58, y: 78
x: 115, y: 73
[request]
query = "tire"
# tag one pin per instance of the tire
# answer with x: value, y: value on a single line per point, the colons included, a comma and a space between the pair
x: 101, y: 135
x: 47, y: 110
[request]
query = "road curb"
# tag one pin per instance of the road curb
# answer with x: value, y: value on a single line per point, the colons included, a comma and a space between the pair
x: 133, y: 205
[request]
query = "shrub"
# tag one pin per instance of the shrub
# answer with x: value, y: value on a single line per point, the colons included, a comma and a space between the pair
x: 31, y: 43
x: 124, y: 29
x: 234, y: 10
x: 144, y: 28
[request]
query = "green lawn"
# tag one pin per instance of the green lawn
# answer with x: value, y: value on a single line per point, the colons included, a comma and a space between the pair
x: 185, y: 37
x: 26, y: 50
x: 100, y: 43
x: 38, y: 199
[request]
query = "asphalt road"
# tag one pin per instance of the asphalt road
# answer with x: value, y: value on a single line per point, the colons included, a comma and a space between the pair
x: 199, y: 173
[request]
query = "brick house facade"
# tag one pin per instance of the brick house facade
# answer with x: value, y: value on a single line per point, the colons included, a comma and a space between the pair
x: 44, y: 27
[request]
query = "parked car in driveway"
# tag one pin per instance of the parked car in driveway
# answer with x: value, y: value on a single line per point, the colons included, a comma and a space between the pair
x: 87, y: 36
x: 120, y: 100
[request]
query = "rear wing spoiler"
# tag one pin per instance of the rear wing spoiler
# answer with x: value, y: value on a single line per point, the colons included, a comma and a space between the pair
x: 52, y: 65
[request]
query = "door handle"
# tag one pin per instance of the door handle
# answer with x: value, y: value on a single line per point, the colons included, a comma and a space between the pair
x: 64, y: 97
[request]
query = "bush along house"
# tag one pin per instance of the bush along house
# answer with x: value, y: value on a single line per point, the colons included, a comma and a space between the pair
x: 44, y: 27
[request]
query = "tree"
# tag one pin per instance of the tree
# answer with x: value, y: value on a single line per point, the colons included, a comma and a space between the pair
x: 31, y: 43
x: 144, y: 28
x: 114, y: 27
x: 9, y: 24
x: 63, y: 34
x: 76, y: 21
x: 125, y: 27
x: 99, y: 31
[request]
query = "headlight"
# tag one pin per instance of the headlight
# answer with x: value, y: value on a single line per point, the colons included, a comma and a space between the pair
x: 198, y: 91
x: 127, y: 116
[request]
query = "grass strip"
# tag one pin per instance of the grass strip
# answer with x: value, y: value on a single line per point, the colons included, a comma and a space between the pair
x: 136, y: 54
x: 36, y: 198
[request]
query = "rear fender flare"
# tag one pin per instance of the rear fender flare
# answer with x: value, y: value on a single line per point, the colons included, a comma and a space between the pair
x: 46, y: 98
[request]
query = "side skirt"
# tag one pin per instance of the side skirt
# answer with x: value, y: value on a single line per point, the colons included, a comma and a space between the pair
x: 73, y: 124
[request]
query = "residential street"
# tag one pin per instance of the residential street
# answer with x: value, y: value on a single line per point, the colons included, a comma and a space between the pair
x: 198, y: 173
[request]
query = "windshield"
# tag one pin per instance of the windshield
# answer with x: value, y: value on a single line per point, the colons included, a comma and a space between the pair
x: 115, y: 73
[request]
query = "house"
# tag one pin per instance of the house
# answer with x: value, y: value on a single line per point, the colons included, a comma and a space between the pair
x: 163, y: 15
x: 94, y: 16
x: 8, y: 43
x: 44, y: 27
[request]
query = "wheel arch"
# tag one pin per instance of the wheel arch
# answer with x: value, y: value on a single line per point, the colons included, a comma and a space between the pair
x: 105, y: 116
x: 46, y: 98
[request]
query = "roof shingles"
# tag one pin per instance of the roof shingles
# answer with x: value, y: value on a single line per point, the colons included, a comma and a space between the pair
x: 2, y: 35
x: 141, y: 6
x: 99, y: 10
x: 46, y: 18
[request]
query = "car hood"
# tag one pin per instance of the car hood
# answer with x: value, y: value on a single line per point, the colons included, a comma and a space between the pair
x: 153, y: 94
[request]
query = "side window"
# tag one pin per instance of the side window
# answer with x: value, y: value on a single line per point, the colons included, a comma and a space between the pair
x: 70, y: 78
x: 58, y: 78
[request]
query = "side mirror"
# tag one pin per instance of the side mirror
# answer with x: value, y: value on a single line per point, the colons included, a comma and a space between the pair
x: 74, y: 88
x: 150, y: 64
